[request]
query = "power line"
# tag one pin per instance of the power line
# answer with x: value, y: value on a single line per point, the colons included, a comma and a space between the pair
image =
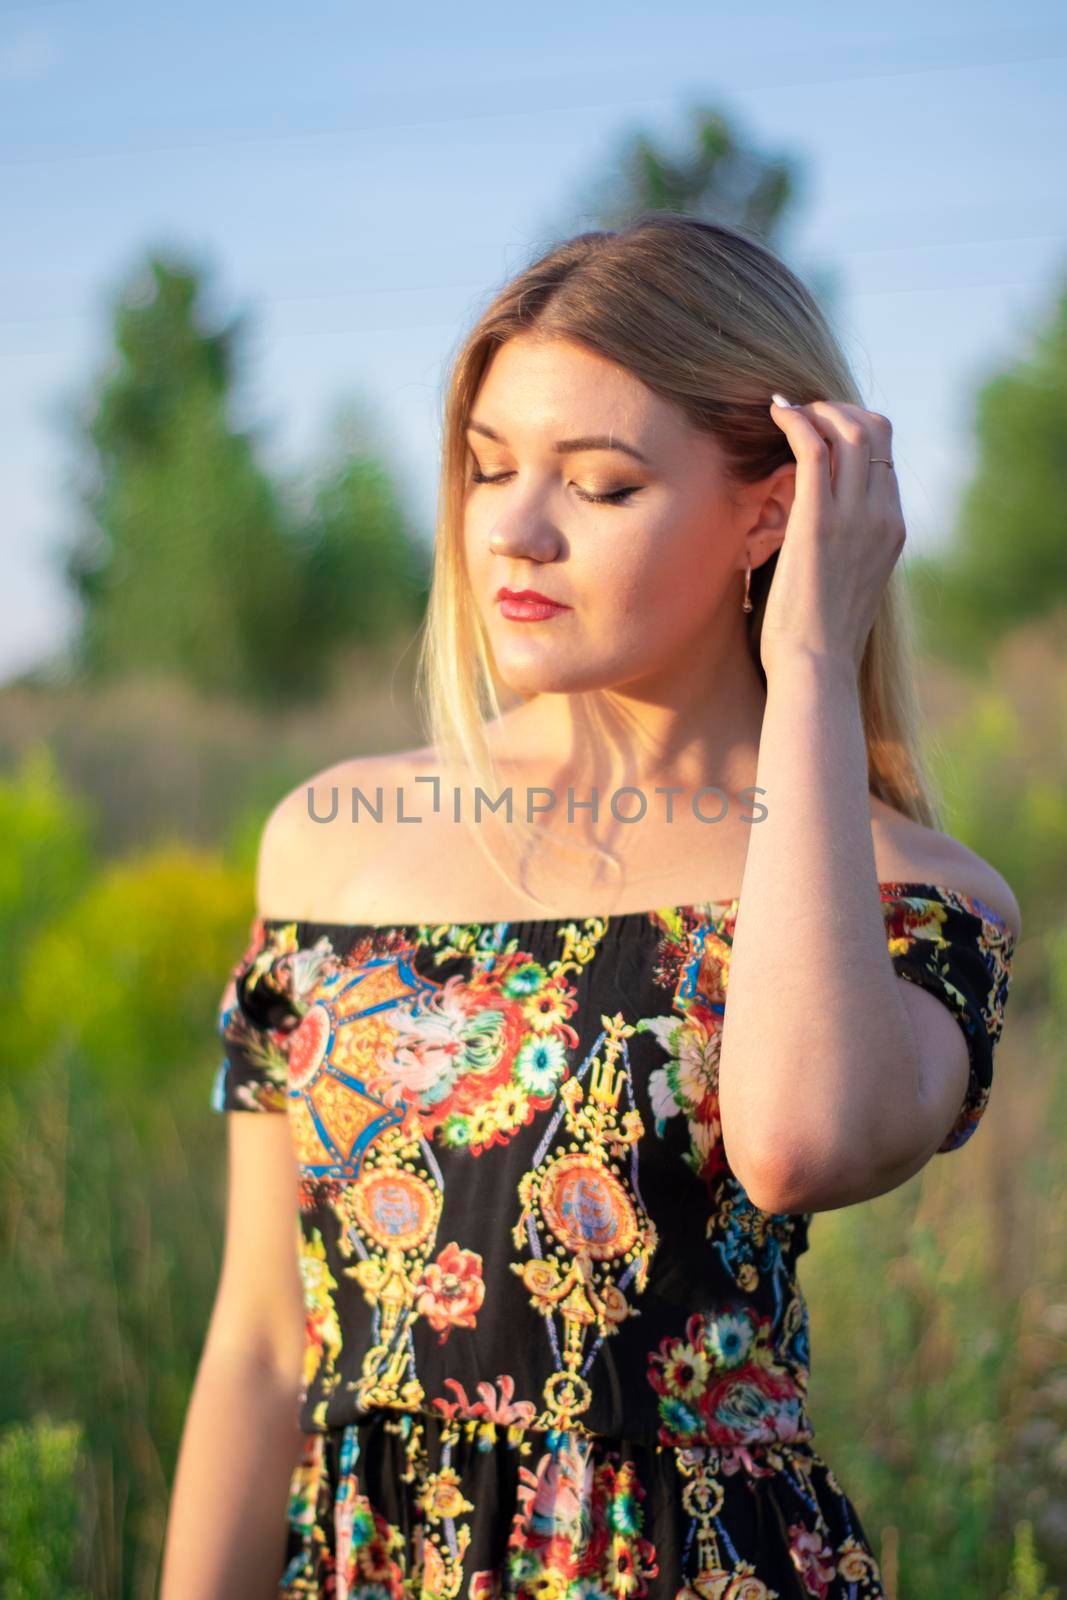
x: 1007, y: 53
x: 480, y: 285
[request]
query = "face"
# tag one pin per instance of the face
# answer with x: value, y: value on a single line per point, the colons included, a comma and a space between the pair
x: 646, y: 556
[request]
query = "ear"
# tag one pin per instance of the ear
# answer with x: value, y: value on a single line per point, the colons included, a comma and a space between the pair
x: 770, y: 506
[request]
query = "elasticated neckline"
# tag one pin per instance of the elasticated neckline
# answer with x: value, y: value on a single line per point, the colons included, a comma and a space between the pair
x: 713, y: 910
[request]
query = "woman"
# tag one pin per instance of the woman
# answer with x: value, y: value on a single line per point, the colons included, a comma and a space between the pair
x: 547, y: 1336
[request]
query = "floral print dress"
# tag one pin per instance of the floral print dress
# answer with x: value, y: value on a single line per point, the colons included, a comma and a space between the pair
x: 552, y: 1348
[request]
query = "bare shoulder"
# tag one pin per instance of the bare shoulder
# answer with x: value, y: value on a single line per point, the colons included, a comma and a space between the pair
x: 309, y: 846
x: 907, y: 851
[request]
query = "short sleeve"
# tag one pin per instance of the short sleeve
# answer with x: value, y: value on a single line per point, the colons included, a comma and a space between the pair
x: 959, y: 949
x: 256, y: 1016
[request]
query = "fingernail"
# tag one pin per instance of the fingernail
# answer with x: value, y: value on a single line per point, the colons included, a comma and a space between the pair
x: 780, y: 400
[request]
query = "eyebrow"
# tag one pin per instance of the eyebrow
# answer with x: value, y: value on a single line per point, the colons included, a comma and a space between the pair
x: 598, y: 441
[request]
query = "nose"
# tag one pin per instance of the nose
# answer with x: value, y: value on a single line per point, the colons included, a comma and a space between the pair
x: 529, y: 537
x: 522, y: 525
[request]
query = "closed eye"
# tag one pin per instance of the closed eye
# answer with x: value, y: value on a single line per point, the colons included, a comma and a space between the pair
x: 617, y: 497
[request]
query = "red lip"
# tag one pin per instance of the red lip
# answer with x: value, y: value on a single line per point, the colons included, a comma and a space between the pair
x: 528, y: 605
x: 504, y: 593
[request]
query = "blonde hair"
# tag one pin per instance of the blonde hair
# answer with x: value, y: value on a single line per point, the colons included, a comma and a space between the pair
x: 708, y: 318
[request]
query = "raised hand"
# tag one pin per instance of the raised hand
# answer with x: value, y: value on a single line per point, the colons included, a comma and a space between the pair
x: 844, y: 535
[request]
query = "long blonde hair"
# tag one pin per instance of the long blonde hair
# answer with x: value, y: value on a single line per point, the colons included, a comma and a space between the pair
x: 707, y: 317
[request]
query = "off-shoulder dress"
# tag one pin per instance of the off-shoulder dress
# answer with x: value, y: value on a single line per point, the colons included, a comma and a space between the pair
x: 552, y: 1348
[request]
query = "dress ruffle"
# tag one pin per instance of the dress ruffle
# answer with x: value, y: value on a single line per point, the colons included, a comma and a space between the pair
x: 385, y: 1510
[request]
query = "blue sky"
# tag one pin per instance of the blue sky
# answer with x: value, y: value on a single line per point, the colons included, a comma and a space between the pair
x: 362, y: 179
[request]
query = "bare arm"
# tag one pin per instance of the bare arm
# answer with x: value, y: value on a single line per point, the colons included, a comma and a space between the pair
x: 227, y: 1524
x: 837, y: 1079
x: 819, y: 1074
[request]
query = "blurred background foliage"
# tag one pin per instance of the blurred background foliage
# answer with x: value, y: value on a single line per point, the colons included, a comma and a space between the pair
x: 188, y: 558
x: 239, y: 631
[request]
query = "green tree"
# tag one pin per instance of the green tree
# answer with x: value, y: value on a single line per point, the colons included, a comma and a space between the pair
x: 1005, y: 562
x: 366, y: 574
x: 189, y: 560
x: 712, y: 171
x: 182, y: 563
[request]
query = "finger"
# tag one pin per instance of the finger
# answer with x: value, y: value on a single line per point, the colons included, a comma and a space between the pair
x: 883, y: 476
x: 880, y: 433
x: 884, y: 497
x: 882, y: 491
x: 878, y: 429
x: 811, y: 451
x: 844, y: 428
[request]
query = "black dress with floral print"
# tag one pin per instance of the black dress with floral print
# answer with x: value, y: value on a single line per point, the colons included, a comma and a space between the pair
x: 552, y: 1348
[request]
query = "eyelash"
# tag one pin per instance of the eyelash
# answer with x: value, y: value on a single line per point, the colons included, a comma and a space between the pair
x: 618, y: 498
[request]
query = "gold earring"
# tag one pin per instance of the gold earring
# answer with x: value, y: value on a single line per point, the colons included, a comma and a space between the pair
x: 746, y: 604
